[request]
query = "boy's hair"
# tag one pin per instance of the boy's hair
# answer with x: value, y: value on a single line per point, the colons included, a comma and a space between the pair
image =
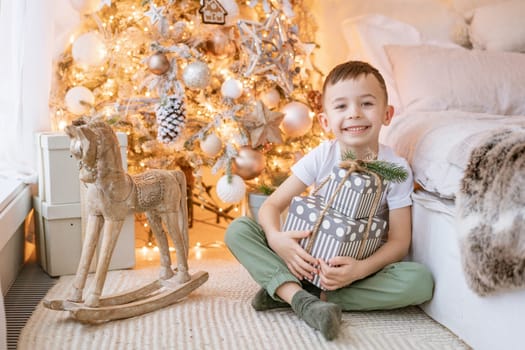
x: 352, y: 70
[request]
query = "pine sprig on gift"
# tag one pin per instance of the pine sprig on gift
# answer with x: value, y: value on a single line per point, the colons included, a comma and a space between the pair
x: 387, y: 170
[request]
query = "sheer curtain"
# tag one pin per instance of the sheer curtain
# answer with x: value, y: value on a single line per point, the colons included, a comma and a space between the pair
x: 27, y: 34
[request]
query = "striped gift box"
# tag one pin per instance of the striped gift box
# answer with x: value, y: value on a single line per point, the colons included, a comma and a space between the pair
x: 356, y: 196
x: 338, y: 235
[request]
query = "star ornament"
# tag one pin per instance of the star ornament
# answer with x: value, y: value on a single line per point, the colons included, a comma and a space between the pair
x: 154, y: 13
x: 263, y: 125
x: 105, y: 3
x: 267, y: 50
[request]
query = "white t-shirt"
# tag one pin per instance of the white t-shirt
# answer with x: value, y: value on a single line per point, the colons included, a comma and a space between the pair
x: 316, y: 165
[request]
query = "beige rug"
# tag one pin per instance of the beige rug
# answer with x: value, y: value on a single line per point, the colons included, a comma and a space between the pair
x: 218, y: 316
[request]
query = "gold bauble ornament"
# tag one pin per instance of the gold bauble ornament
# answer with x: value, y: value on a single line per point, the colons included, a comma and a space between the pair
x: 219, y: 43
x: 271, y: 98
x: 158, y: 63
x: 249, y: 163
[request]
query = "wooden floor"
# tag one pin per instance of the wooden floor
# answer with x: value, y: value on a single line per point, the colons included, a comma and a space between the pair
x: 32, y: 284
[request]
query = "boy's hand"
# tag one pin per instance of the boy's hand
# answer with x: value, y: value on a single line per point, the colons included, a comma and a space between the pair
x: 339, y: 272
x: 286, y: 245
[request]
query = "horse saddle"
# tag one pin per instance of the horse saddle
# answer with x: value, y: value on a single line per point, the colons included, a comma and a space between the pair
x: 150, y: 189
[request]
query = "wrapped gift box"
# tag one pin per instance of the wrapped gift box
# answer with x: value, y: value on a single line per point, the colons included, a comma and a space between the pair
x: 338, y: 235
x: 356, y: 196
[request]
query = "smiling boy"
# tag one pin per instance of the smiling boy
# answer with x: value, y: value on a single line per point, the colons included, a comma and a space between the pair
x: 355, y: 109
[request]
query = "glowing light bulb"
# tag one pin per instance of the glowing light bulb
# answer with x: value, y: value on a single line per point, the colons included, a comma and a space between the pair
x: 62, y: 125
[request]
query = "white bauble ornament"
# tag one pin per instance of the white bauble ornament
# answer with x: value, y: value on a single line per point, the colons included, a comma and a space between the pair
x: 85, y: 6
x: 233, y: 11
x: 196, y: 75
x: 211, y: 145
x: 297, y: 120
x: 231, y: 192
x: 231, y: 88
x: 89, y: 49
x: 271, y: 98
x: 75, y: 96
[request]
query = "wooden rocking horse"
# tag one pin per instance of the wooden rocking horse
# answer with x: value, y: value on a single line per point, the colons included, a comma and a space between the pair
x: 111, y: 193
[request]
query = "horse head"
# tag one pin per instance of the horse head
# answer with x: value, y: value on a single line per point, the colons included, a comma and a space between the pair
x: 95, y: 145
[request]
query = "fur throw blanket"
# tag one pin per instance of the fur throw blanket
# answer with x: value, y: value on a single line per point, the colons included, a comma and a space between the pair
x: 491, y: 213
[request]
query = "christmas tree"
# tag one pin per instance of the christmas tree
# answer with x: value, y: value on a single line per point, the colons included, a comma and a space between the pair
x: 211, y: 83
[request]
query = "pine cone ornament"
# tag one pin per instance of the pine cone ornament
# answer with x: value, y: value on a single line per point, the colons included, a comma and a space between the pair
x: 171, y: 117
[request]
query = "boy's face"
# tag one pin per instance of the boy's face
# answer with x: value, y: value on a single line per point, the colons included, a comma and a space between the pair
x: 354, y: 111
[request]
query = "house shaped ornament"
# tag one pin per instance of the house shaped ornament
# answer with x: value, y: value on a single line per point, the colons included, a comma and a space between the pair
x: 212, y: 12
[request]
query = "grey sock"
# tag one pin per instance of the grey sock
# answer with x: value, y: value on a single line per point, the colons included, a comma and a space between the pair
x: 320, y: 315
x: 263, y: 301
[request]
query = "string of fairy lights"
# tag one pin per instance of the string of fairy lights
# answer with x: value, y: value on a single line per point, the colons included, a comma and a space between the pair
x: 213, y: 84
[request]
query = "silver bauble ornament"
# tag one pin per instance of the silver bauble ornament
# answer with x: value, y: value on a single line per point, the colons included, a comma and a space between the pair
x: 297, y: 120
x: 249, y: 163
x: 231, y: 191
x: 231, y: 88
x: 196, y: 75
x: 158, y: 63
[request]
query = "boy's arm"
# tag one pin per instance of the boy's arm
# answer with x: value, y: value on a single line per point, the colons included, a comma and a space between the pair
x: 345, y: 270
x: 285, y: 244
x: 277, y: 202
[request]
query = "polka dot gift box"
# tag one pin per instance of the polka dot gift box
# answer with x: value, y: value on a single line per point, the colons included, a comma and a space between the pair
x: 356, y: 196
x: 337, y: 234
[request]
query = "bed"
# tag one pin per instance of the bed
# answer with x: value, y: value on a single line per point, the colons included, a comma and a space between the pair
x: 455, y: 72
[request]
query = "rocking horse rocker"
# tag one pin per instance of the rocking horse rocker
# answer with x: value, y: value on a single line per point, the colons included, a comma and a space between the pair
x: 110, y: 194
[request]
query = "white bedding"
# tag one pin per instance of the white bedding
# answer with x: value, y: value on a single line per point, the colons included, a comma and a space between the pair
x: 438, y: 144
x: 485, y: 323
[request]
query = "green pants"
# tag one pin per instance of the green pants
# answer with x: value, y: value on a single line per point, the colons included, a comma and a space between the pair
x: 396, y: 285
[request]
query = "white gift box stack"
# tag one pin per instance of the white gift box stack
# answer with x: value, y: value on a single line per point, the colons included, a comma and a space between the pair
x: 58, y: 210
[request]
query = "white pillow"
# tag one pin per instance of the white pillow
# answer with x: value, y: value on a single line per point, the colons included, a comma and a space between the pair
x: 466, y: 7
x: 366, y: 37
x: 430, y: 78
x: 432, y: 18
x: 499, y: 27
